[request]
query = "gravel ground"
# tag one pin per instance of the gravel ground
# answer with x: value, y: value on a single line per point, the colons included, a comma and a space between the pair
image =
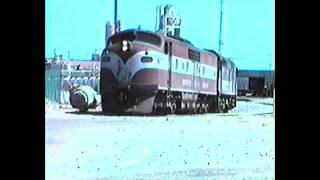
x: 235, y: 145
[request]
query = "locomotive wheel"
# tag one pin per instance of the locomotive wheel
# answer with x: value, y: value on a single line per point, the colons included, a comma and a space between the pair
x: 174, y: 108
x: 201, y: 109
x: 160, y: 111
x: 165, y: 111
x: 220, y: 105
x: 194, y: 110
x: 225, y: 109
x: 168, y: 110
x: 206, y: 108
x: 198, y: 109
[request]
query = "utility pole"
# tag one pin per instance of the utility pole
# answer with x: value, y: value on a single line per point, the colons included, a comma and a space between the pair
x: 160, y: 27
x: 155, y: 29
x: 220, y: 27
x: 69, y: 63
x: 116, y: 15
x: 271, y: 81
x: 68, y: 56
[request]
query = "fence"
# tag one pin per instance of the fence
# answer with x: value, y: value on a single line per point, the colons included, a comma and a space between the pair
x: 52, y: 84
x: 89, y: 78
x: 58, y: 82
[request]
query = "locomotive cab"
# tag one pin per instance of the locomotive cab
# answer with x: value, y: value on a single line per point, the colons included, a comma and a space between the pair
x: 128, y: 78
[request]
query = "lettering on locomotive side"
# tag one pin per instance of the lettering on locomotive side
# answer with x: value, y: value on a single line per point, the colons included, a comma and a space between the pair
x: 205, y: 85
x: 196, y: 84
x: 186, y: 82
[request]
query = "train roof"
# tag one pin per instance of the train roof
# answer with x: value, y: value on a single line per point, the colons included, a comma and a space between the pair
x: 156, y: 34
x: 230, y: 61
x: 138, y: 30
x: 176, y: 39
x: 212, y: 51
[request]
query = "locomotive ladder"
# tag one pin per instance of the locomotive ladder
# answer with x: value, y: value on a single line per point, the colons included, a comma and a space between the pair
x: 170, y: 66
x: 169, y: 82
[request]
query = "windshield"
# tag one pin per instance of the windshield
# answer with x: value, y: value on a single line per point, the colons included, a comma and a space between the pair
x: 136, y: 36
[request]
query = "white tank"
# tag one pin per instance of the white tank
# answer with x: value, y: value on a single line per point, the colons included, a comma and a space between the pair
x: 84, y: 98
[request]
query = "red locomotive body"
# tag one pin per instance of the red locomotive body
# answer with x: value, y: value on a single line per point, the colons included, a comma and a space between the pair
x: 145, y: 72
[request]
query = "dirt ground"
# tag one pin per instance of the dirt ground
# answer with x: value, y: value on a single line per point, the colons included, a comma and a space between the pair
x: 236, y: 145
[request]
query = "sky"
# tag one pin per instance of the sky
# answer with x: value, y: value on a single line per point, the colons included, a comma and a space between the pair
x: 248, y: 26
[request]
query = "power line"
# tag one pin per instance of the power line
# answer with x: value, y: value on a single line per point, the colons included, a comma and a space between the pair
x: 116, y: 15
x: 220, y: 26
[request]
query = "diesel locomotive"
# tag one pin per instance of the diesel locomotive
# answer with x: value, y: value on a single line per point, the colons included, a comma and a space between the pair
x: 147, y: 72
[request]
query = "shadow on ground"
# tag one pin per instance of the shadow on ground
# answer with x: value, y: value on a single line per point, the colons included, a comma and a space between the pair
x: 100, y: 113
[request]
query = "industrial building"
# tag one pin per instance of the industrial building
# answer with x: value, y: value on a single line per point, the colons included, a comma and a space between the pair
x: 256, y: 82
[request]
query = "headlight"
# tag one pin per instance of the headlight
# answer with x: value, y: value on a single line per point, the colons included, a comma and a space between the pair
x: 124, y: 43
x: 124, y: 48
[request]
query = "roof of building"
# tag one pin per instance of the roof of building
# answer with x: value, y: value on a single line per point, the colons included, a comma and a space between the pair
x: 255, y: 73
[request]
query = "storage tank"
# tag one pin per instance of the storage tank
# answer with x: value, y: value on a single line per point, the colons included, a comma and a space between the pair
x: 84, y: 98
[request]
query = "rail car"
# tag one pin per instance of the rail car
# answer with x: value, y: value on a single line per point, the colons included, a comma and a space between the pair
x: 146, y: 72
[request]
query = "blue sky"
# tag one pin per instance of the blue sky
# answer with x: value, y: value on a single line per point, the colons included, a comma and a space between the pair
x: 248, y: 26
